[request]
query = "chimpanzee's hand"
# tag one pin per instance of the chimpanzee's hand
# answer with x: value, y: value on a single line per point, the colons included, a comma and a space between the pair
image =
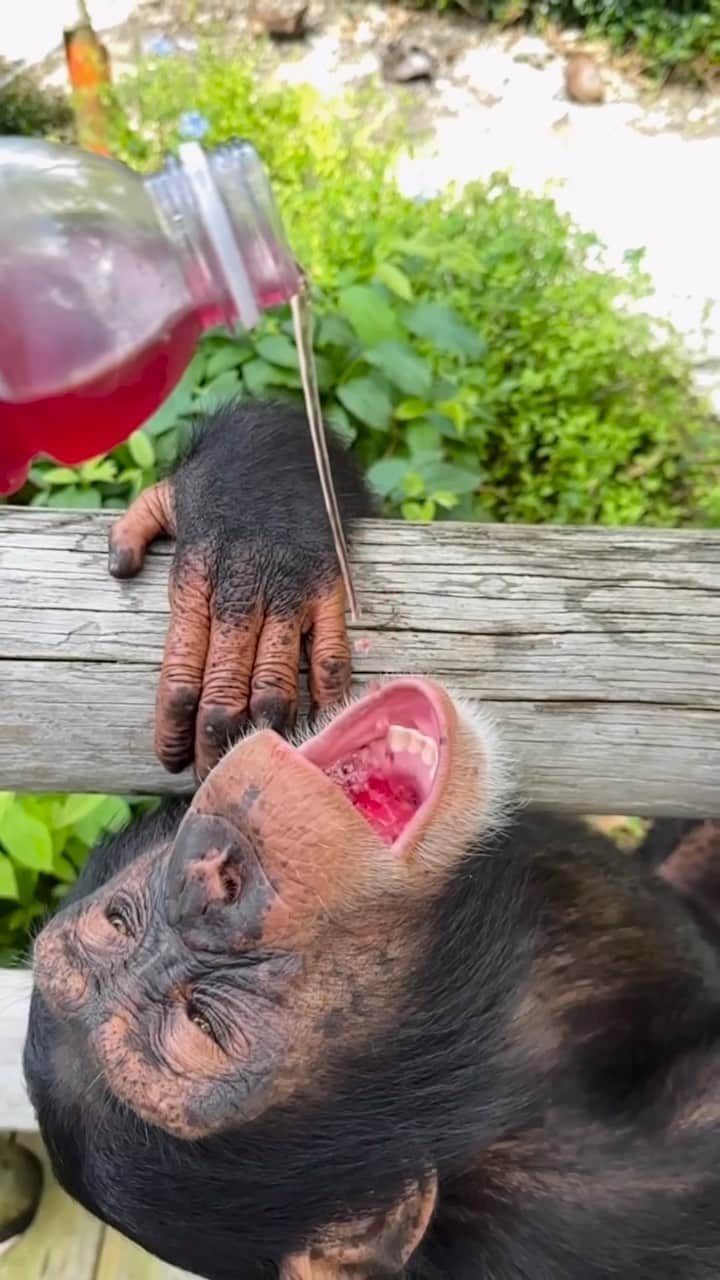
x: 254, y: 572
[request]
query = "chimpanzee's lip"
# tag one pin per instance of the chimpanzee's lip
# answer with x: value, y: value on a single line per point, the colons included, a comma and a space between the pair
x: 387, y: 752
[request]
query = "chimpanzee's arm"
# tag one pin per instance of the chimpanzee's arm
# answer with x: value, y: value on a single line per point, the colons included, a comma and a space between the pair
x: 254, y: 572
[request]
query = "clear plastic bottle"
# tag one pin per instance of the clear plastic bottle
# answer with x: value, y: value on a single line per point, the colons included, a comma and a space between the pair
x: 108, y: 279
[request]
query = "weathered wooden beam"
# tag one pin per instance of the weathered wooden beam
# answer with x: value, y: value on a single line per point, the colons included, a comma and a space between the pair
x: 598, y: 650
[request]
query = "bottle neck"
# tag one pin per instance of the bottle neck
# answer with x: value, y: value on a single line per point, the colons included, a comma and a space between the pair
x: 218, y: 211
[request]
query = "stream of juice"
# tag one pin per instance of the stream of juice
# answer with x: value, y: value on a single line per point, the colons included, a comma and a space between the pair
x: 303, y: 326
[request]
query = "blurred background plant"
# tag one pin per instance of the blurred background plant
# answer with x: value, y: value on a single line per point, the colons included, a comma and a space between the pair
x: 677, y: 37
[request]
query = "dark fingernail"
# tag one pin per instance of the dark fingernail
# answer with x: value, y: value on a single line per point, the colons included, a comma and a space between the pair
x: 273, y: 713
x: 121, y: 562
x: 221, y: 727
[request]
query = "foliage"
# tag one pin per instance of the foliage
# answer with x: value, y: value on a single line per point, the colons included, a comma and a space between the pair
x: 44, y: 841
x: 481, y: 367
x: 27, y: 110
x: 676, y: 34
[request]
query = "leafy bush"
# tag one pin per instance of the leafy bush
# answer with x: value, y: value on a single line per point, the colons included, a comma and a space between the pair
x: 479, y: 365
x: 27, y: 110
x: 44, y: 841
x: 669, y: 36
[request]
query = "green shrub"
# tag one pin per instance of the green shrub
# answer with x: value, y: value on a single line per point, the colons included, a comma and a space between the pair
x: 480, y: 366
x: 44, y: 840
x: 669, y: 36
x: 27, y: 110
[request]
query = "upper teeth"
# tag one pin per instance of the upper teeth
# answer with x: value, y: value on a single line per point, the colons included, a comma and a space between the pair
x: 402, y: 739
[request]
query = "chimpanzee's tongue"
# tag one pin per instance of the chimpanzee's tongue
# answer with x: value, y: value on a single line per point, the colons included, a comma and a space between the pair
x: 388, y: 779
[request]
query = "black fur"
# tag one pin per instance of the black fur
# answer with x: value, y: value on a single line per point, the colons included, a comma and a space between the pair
x: 248, y: 500
x: 556, y: 1172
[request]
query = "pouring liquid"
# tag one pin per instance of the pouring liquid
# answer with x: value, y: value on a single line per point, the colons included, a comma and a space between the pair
x: 303, y: 325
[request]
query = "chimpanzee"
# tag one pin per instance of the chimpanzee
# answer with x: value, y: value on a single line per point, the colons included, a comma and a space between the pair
x: 351, y: 1013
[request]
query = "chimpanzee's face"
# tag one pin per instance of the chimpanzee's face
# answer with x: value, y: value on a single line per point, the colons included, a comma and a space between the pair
x: 217, y: 974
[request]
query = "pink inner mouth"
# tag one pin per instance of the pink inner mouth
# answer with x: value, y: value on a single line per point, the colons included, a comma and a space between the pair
x: 385, y: 753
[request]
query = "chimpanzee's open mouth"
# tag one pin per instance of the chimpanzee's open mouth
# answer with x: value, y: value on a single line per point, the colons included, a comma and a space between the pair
x: 386, y: 752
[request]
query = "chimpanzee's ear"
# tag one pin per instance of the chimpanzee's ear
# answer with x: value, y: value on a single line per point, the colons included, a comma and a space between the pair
x: 378, y: 1242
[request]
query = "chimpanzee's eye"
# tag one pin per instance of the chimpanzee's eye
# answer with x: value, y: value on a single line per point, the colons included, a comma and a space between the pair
x: 200, y: 1020
x: 118, y: 919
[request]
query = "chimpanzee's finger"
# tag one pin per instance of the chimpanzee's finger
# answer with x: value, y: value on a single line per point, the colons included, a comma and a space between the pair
x: 181, y: 678
x: 274, y: 693
x: 224, y: 704
x: 149, y: 517
x: 329, y: 656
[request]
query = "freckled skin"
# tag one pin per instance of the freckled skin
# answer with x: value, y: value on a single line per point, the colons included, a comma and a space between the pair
x: 268, y: 1046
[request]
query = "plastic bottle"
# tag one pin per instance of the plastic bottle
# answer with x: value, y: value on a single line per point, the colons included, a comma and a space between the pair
x: 108, y: 279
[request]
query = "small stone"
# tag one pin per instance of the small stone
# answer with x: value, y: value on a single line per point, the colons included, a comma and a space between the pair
x: 21, y: 1183
x: 403, y: 62
x: 283, y: 21
x: 583, y: 81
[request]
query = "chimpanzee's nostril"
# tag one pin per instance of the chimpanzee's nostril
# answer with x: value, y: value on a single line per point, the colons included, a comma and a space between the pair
x: 231, y: 881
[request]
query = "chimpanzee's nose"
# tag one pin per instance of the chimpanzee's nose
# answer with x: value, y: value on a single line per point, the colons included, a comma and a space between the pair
x: 211, y: 867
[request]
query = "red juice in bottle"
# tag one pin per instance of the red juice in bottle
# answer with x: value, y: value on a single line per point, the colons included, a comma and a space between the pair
x: 120, y: 372
x: 107, y: 281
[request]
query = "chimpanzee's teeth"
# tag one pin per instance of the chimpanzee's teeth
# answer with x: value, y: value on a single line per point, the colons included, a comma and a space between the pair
x: 417, y: 744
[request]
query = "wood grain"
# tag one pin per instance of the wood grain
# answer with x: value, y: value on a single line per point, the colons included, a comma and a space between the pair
x: 598, y: 650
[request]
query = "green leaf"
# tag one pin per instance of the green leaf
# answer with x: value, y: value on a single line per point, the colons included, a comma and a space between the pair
x: 112, y: 815
x: 444, y: 499
x: 424, y: 440
x: 419, y: 510
x: 372, y: 318
x: 445, y: 475
x: 335, y: 331
x: 64, y: 870
x: 76, y: 807
x: 26, y: 839
x: 225, y: 387
x: 442, y: 327
x: 229, y: 356
x: 387, y: 474
x: 413, y: 485
x: 58, y: 475
x: 409, y: 409
x: 100, y: 471
x: 396, y: 280
x: 278, y: 349
x: 75, y: 498
x: 7, y: 798
x: 141, y: 450
x: 406, y: 370
x: 341, y: 424
x: 258, y: 375
x: 8, y: 879
x: 368, y: 401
